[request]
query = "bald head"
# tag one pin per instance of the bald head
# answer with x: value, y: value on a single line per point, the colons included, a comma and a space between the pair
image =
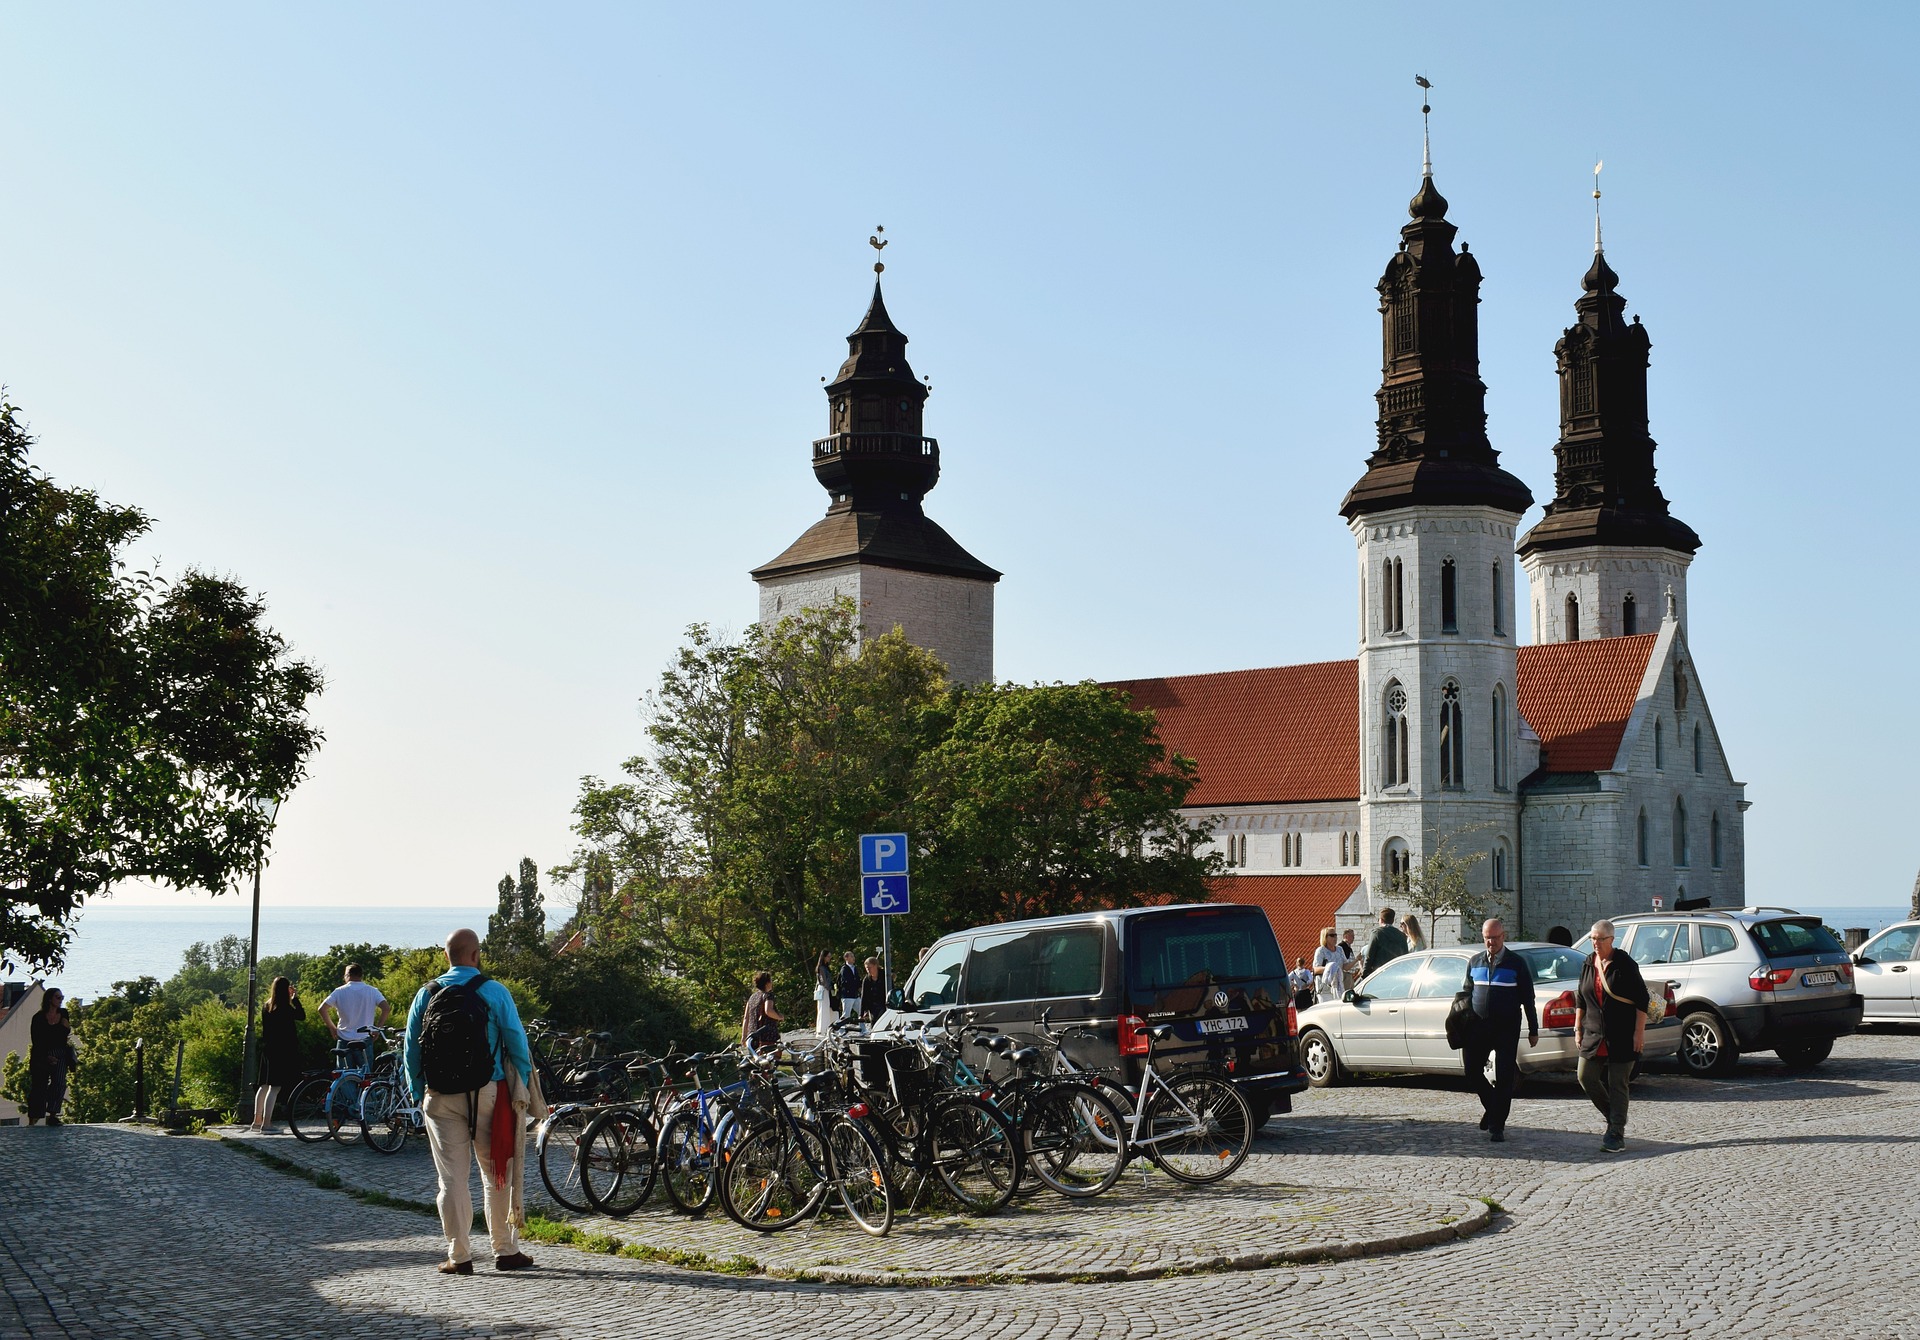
x: 463, y: 949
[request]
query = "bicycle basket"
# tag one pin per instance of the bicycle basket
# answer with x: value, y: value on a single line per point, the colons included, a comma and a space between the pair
x: 908, y: 1075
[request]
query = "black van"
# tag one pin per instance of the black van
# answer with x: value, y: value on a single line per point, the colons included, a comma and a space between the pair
x: 1212, y: 970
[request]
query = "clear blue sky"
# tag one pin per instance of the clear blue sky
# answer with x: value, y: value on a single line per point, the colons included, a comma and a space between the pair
x: 487, y: 342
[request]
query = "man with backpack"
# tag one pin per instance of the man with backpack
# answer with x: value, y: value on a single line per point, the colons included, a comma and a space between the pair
x: 465, y: 1046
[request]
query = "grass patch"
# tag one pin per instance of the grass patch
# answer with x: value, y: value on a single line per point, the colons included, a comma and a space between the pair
x: 1492, y: 1204
x: 542, y: 1229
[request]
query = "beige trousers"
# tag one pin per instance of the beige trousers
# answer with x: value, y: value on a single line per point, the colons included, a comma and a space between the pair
x: 454, y: 1154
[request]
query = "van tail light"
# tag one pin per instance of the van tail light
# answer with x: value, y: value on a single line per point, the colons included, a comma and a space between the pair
x: 1846, y: 971
x: 1559, y: 1012
x: 1133, y: 1037
x: 1766, y: 979
x: 1293, y: 1020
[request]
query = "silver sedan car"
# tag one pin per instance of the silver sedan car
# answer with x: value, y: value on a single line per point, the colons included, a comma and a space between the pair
x: 1395, y: 1020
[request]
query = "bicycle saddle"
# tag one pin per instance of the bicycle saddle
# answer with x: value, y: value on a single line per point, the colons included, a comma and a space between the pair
x: 1160, y: 1032
x: 810, y: 1083
x: 998, y: 1043
x: 1024, y: 1055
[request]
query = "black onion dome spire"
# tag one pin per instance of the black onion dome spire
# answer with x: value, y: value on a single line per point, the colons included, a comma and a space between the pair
x: 1432, y: 446
x: 1604, y: 492
x: 876, y: 466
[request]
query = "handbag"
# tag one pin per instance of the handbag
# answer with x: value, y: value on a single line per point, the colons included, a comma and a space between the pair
x: 1656, y: 1005
x: 1460, y: 1018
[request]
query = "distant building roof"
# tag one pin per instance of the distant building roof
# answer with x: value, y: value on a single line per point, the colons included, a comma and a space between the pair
x: 1283, y: 735
x: 1299, y: 906
x: 1577, y: 696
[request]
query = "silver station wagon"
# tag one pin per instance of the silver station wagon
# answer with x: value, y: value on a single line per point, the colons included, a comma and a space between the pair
x: 1395, y: 1020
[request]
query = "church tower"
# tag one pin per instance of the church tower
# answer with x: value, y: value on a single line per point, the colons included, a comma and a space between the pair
x: 875, y: 544
x: 1602, y: 561
x: 1434, y: 518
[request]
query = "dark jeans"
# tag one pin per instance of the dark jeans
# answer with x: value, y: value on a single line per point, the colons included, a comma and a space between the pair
x: 1606, y: 1084
x: 46, y: 1090
x: 1502, y: 1040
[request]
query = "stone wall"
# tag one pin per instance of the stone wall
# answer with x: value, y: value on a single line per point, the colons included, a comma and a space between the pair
x: 949, y: 616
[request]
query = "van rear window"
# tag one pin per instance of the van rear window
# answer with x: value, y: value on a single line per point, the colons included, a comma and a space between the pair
x: 1231, y: 945
x: 1787, y: 939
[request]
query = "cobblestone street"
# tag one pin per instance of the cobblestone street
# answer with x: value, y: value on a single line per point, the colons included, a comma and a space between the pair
x: 1754, y: 1205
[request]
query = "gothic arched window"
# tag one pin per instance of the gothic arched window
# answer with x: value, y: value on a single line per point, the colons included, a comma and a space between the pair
x: 1713, y: 834
x: 1499, y: 604
x: 1498, y: 863
x: 1344, y: 852
x: 1699, y: 751
x: 1393, y: 741
x: 1659, y: 743
x: 1453, y: 770
x: 1680, y: 686
x: 1629, y: 616
x: 1499, y: 728
x: 1573, y: 617
x: 1680, y: 847
x: 1449, y: 604
x: 1397, y: 864
x: 1640, y: 837
x: 1399, y: 597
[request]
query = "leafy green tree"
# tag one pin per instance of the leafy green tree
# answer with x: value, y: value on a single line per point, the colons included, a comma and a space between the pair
x: 1438, y: 884
x: 506, y: 917
x: 532, y: 908
x: 138, y: 715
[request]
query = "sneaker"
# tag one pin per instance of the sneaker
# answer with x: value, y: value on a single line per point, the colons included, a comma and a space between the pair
x: 1497, y: 1134
x: 1613, y: 1144
x: 518, y: 1261
x: 455, y: 1267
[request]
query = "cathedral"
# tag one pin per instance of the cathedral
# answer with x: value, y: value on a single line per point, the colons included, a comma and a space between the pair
x: 1582, y: 772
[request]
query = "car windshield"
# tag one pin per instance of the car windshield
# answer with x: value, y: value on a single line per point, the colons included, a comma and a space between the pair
x: 1789, y: 939
x: 1229, y: 945
x: 1553, y: 964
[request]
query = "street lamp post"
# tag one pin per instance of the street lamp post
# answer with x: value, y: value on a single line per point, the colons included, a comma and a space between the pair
x: 268, y: 807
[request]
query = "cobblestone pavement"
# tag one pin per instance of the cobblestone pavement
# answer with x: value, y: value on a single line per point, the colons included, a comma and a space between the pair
x: 1766, y: 1204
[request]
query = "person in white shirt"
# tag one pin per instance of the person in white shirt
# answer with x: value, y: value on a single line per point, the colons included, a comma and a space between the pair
x: 350, y: 1010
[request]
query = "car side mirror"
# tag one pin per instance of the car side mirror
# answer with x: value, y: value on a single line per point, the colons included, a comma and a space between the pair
x: 1861, y: 958
x: 1355, y: 996
x: 897, y: 999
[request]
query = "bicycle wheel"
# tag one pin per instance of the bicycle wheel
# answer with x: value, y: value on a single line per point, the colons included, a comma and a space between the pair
x: 384, y: 1124
x: 343, y: 1109
x: 616, y: 1162
x: 860, y: 1164
x: 771, y: 1179
x: 557, y: 1150
x: 1198, y: 1128
x: 1075, y: 1140
x: 975, y: 1153
x: 307, y: 1109
x: 685, y: 1159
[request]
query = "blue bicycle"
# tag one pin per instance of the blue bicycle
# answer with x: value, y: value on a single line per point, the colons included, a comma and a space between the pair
x: 707, y: 1123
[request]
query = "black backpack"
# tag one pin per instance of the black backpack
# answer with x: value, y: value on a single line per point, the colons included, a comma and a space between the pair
x: 453, y: 1038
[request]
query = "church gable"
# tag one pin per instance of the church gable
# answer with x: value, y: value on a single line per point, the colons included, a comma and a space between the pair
x: 1580, y: 698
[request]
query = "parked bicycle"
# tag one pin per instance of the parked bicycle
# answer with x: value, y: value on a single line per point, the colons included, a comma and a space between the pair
x: 786, y: 1169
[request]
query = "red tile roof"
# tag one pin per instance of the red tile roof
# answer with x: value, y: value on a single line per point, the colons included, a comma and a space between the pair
x: 1577, y: 696
x: 1299, y: 906
x: 1284, y: 735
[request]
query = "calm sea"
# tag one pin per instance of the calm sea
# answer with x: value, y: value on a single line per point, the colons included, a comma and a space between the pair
x: 116, y: 943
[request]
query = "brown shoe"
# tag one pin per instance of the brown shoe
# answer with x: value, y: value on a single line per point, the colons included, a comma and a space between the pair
x: 518, y: 1261
x: 456, y: 1267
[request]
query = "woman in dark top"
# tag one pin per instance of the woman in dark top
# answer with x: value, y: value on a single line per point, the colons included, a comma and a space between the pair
x: 280, y: 1044
x: 49, y: 1057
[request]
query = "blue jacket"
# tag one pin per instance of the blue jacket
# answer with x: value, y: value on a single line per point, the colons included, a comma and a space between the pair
x: 1501, y: 993
x: 505, y: 1037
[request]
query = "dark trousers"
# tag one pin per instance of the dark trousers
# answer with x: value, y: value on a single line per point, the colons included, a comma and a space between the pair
x: 1501, y: 1040
x: 1606, y: 1085
x: 46, y: 1090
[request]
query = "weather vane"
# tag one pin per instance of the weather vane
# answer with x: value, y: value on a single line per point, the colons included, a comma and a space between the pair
x: 1598, y: 163
x: 1426, y: 136
x: 879, y: 244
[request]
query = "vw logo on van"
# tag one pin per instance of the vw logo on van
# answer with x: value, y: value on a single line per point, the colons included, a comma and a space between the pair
x: 1219, y: 1000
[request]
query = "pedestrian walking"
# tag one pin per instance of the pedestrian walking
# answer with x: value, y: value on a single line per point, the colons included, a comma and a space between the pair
x: 467, y: 1064
x: 1410, y: 927
x: 1329, y: 967
x: 280, y: 1046
x: 1300, y: 981
x: 353, y: 1007
x: 1388, y: 942
x: 760, y: 1022
x: 1502, y: 991
x: 1610, y: 1021
x: 873, y: 992
x: 49, y: 1057
x: 825, y: 982
x: 849, y: 987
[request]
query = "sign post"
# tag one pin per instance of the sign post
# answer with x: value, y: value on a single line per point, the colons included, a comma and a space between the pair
x: 885, y: 890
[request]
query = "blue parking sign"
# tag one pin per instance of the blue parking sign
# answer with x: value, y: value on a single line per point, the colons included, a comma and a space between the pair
x: 883, y: 853
x: 885, y: 895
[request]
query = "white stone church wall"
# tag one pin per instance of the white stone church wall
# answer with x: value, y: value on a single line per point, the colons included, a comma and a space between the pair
x: 1600, y: 578
x: 949, y: 616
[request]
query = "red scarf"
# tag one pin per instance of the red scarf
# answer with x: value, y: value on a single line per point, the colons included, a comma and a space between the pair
x: 502, y: 1135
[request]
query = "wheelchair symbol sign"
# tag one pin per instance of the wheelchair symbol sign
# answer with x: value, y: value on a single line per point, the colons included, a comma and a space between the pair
x: 885, y: 895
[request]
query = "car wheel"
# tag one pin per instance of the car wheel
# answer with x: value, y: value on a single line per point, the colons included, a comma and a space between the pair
x: 1321, y: 1061
x: 1707, y: 1047
x: 1805, y: 1055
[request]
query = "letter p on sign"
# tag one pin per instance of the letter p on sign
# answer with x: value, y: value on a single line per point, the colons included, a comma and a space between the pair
x: 883, y: 854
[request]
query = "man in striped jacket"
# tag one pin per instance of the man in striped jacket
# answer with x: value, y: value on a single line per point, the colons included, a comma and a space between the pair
x: 1502, y: 992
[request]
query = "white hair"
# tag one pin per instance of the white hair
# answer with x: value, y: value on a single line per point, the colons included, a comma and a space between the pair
x: 1602, y: 929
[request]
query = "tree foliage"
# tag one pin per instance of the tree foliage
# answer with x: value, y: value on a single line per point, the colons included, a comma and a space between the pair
x: 732, y: 846
x: 1438, y: 884
x: 138, y: 715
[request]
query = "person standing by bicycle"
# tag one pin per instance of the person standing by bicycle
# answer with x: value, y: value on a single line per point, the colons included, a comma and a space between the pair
x: 350, y: 1009
x: 760, y: 1023
x: 464, y: 1041
x: 849, y: 987
x: 873, y: 992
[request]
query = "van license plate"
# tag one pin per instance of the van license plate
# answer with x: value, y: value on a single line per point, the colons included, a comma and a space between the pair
x: 1237, y: 1024
x: 1819, y: 978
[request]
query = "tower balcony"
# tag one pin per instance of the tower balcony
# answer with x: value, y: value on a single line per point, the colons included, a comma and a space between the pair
x: 876, y: 469
x: 875, y: 444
